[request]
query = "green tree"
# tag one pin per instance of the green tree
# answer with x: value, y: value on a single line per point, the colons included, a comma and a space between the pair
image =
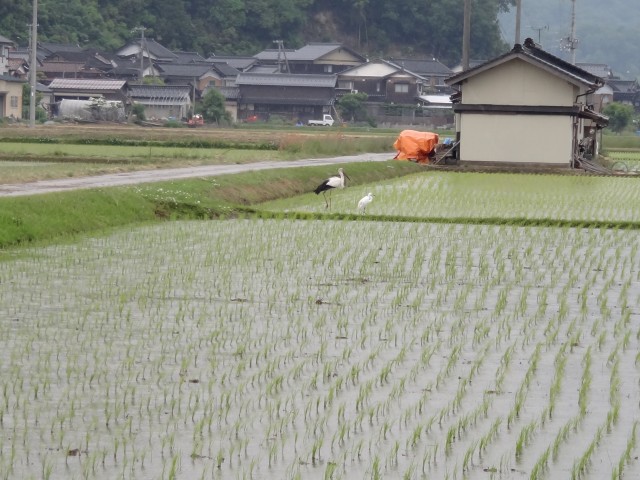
x: 351, y: 106
x: 619, y: 116
x: 212, y: 107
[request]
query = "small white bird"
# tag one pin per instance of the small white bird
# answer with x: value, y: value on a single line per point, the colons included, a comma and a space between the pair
x: 364, y: 201
x: 329, y: 184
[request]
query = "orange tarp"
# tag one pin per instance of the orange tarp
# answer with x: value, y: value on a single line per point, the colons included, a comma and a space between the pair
x: 414, y: 145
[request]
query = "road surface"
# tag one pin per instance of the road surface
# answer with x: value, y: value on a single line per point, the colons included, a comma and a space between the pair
x: 146, y: 176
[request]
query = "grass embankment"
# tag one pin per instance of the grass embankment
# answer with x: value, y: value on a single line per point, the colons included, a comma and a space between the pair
x: 41, y: 219
x: 54, y: 155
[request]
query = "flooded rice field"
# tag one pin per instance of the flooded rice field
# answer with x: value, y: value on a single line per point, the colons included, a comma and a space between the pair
x: 249, y: 349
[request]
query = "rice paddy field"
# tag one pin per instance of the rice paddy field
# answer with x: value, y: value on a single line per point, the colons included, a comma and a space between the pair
x: 335, y: 349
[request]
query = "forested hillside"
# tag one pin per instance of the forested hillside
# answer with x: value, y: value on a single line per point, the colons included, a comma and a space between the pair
x: 372, y: 27
x: 607, y: 32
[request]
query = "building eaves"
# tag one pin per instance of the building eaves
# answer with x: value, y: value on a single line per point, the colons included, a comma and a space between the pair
x: 531, y: 53
x: 86, y: 84
x: 287, y: 80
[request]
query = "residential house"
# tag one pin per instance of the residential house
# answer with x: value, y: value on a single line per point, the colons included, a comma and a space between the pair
x: 433, y: 71
x: 163, y: 101
x: 132, y: 69
x: 11, y: 97
x: 313, y: 58
x: 200, y: 75
x: 382, y: 81
x: 525, y: 107
x: 150, y: 49
x: 75, y: 64
x: 295, y: 97
x: 626, y: 91
x: 615, y: 88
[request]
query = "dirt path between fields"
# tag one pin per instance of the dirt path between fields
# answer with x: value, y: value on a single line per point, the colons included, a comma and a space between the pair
x: 146, y: 176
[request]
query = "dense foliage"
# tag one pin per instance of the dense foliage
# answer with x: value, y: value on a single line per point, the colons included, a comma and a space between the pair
x: 619, y: 115
x: 373, y: 27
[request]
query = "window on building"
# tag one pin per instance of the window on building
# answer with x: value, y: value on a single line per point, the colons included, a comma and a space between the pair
x: 328, y: 68
x: 402, y: 88
x: 14, y: 101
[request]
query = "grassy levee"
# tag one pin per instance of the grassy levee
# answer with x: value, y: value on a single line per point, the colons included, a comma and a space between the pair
x: 56, y: 217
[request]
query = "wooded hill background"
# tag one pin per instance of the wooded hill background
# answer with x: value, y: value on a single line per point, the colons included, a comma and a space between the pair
x: 426, y: 28
x: 607, y: 31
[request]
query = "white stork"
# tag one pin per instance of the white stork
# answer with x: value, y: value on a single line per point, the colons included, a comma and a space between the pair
x: 329, y: 184
x: 364, y: 201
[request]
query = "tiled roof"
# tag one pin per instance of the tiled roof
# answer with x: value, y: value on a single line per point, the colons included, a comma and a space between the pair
x: 531, y: 52
x: 226, y: 70
x: 422, y: 67
x: 6, y: 40
x: 271, y: 54
x: 9, y: 78
x: 601, y: 70
x: 289, y: 80
x: 165, y: 92
x: 309, y: 52
x: 188, y: 57
x: 238, y: 62
x: 86, y: 84
x: 229, y: 93
x: 183, y: 69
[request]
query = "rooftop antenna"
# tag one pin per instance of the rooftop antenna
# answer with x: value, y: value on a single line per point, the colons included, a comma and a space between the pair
x: 539, y: 30
x: 282, y: 52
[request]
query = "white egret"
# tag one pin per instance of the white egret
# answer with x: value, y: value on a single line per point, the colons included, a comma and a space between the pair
x: 364, y: 201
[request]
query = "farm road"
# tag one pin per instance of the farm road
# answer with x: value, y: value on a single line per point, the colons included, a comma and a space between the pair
x: 147, y: 176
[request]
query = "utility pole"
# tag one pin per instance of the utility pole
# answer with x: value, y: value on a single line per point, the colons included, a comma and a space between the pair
x: 32, y: 65
x: 518, y: 17
x: 466, y: 34
x: 572, y: 41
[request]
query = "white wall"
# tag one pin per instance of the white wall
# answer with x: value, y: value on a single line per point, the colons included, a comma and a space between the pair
x: 517, y: 82
x: 516, y: 138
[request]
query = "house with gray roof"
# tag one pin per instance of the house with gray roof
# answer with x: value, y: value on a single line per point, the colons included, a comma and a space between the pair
x: 433, y: 71
x: 296, y: 97
x: 149, y: 49
x: 313, y: 58
x: 525, y: 108
x: 383, y: 82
